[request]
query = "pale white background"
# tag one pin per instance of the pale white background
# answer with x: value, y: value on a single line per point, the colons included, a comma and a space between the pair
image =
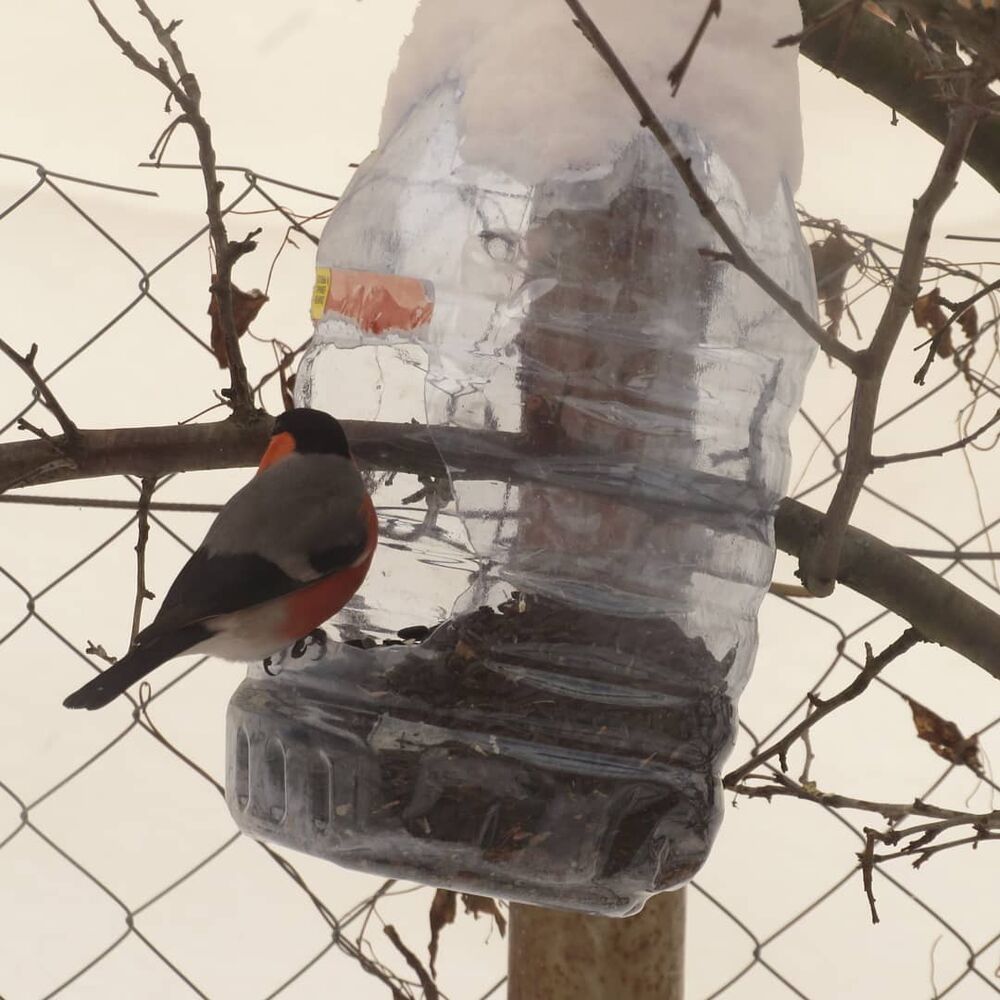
x: 295, y: 91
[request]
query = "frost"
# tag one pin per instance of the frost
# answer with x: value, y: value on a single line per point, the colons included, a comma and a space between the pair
x: 538, y: 100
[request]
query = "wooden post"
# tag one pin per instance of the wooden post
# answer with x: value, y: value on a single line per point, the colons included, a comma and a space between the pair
x: 555, y: 954
x: 558, y: 955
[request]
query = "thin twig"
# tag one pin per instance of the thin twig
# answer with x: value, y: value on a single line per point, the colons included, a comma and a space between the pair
x: 27, y: 365
x: 816, y: 24
x: 928, y: 831
x: 141, y: 591
x: 186, y: 91
x: 676, y: 75
x: 428, y: 984
x: 789, y: 590
x: 781, y: 786
x: 880, y: 461
x: 737, y: 255
x: 822, y: 708
x: 867, y: 859
x: 923, y: 854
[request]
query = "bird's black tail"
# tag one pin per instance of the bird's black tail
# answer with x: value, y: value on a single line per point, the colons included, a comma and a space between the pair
x: 134, y: 666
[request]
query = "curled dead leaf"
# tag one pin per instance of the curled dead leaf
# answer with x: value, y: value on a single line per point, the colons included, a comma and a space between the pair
x: 443, y: 910
x: 969, y: 322
x: 485, y: 905
x: 929, y: 314
x: 246, y: 305
x: 442, y: 913
x: 832, y: 259
x: 946, y: 738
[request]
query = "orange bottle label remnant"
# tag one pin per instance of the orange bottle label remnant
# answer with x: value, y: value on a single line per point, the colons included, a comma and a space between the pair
x: 376, y: 302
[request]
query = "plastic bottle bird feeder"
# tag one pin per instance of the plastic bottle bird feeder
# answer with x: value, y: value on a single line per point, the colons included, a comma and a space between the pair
x: 558, y: 740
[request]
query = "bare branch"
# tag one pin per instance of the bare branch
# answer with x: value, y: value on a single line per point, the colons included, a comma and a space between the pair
x: 867, y: 860
x: 782, y: 786
x: 141, y: 592
x: 925, y: 853
x: 186, y: 91
x: 27, y: 365
x: 942, y: 612
x: 138, y: 451
x: 676, y: 75
x: 919, y: 835
x: 737, y: 255
x: 879, y: 462
x: 814, y: 24
x: 822, y: 708
x: 890, y: 64
x: 789, y: 590
x: 428, y: 984
x: 821, y: 557
x: 972, y: 25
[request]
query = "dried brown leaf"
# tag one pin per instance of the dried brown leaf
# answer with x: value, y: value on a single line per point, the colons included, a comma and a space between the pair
x: 929, y: 314
x: 946, y: 738
x: 442, y: 913
x: 832, y: 260
x: 969, y: 322
x: 246, y: 305
x: 483, y: 904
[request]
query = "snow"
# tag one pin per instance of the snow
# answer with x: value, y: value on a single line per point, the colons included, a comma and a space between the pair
x: 537, y: 99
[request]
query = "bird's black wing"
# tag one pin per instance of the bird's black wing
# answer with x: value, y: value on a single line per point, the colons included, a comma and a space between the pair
x: 211, y: 585
x: 216, y: 584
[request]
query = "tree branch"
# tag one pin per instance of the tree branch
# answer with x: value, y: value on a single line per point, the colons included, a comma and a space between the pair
x: 821, y: 556
x: 680, y: 68
x: 942, y: 612
x: 737, y: 254
x: 919, y: 836
x: 888, y: 64
x: 822, y: 708
x: 970, y: 24
x: 27, y: 365
x: 880, y: 461
x: 186, y: 91
x: 141, y: 591
x: 427, y: 983
x: 894, y: 581
x: 892, y: 812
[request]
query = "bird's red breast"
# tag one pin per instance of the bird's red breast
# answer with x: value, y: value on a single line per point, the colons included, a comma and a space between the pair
x: 308, y: 608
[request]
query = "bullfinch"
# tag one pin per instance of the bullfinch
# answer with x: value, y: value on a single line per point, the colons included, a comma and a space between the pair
x: 286, y: 553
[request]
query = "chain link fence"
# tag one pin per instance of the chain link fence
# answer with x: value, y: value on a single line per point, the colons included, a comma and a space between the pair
x: 120, y: 872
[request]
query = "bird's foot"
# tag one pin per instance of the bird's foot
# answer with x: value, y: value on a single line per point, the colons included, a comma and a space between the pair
x: 317, y: 637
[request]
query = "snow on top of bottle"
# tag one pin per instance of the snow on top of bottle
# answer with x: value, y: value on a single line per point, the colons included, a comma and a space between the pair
x: 538, y: 100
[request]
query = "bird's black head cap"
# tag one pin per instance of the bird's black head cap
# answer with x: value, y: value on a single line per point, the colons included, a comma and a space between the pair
x: 314, y: 431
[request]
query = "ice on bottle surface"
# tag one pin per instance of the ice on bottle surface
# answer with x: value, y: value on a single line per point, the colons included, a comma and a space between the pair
x: 559, y: 739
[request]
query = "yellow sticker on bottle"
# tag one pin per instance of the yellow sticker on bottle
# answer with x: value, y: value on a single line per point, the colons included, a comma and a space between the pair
x: 375, y: 303
x: 321, y: 289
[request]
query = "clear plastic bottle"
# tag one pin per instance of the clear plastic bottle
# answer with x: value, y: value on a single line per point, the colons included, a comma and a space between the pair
x: 559, y: 739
